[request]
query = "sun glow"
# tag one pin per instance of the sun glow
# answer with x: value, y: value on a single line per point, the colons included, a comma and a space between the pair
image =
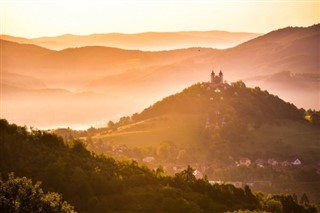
x: 29, y: 18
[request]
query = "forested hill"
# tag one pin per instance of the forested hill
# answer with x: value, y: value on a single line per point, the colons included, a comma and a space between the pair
x: 234, y: 100
x: 99, y: 184
x: 202, y: 125
x: 203, y: 116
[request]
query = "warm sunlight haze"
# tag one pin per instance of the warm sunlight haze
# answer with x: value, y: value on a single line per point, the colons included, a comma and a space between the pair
x: 37, y: 18
x: 162, y: 106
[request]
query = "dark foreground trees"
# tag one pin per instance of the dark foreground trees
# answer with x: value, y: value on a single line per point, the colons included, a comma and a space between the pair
x: 95, y: 183
x: 21, y: 195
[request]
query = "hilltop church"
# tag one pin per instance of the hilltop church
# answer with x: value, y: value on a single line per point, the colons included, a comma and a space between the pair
x: 216, y: 80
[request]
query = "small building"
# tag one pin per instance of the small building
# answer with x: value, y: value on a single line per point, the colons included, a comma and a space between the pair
x: 207, y: 125
x: 251, y: 184
x: 217, y: 90
x: 212, y: 182
x: 297, y: 162
x: 119, y: 149
x: 272, y: 162
x: 245, y: 162
x: 197, y: 174
x: 148, y: 159
x: 260, y: 163
x: 237, y: 184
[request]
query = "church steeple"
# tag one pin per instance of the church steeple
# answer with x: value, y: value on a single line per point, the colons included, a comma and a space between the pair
x: 216, y: 79
x: 221, y: 76
x: 212, y: 76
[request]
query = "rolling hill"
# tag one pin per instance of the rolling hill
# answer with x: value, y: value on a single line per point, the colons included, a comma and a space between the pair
x: 96, y: 183
x: 285, y: 62
x: 148, y: 41
x: 260, y: 61
x: 213, y: 129
x: 106, y: 185
x: 232, y: 113
x: 290, y: 49
x: 70, y: 67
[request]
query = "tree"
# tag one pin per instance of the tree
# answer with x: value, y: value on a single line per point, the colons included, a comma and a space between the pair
x: 304, y: 199
x: 21, y: 195
x: 159, y: 171
x: 315, y: 119
x: 239, y: 84
x: 274, y: 206
x: 186, y: 176
x: 112, y: 126
x: 163, y: 151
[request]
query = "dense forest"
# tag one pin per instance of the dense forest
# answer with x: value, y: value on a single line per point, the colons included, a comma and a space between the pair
x: 96, y: 183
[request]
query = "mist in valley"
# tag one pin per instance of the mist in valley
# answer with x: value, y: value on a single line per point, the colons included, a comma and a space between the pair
x: 88, y: 86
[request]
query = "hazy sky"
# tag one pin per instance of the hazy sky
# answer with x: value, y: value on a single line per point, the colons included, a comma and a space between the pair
x: 34, y: 18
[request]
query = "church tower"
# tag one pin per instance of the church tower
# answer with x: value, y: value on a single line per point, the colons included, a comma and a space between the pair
x: 221, y: 77
x: 216, y: 80
x: 212, y: 77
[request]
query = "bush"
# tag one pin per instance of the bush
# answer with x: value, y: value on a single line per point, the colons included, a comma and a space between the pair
x: 21, y: 195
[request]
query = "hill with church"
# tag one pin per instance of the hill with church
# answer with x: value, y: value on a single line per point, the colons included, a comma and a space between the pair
x: 105, y: 82
x: 225, y: 131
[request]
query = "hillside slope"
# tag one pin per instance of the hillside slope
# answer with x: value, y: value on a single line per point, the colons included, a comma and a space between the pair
x: 213, y: 129
x: 285, y: 62
x: 258, y: 62
x: 289, y: 49
x: 294, y: 49
x: 76, y: 67
x: 230, y: 114
x: 95, y: 183
x: 148, y: 41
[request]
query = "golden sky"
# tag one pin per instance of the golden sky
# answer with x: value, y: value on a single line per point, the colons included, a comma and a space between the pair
x: 35, y: 18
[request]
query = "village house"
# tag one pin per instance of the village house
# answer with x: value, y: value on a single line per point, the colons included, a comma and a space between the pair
x: 212, y: 182
x: 148, y: 159
x: 260, y: 163
x: 244, y: 162
x: 207, y: 125
x: 198, y: 174
x: 251, y: 184
x: 297, y: 162
x: 217, y: 90
x: 119, y: 149
x: 237, y: 184
x: 272, y: 162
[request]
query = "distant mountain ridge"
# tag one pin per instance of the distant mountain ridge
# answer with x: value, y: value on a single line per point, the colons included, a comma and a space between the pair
x: 147, y: 41
x: 285, y: 62
x: 294, y: 49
